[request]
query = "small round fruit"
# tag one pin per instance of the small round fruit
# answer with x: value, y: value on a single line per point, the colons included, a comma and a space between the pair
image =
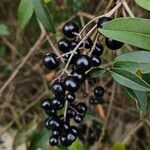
x: 74, y: 130
x: 71, y: 84
x: 78, y: 118
x: 70, y: 28
x: 53, y: 140
x: 50, y: 61
x: 96, y: 100
x: 64, y: 140
x: 56, y: 133
x: 57, y: 104
x: 88, y: 43
x: 64, y: 45
x: 70, y: 97
x: 51, y: 112
x: 82, y: 63
x: 113, y: 44
x: 103, y: 21
x: 81, y: 107
x: 46, y: 104
x: 99, y: 91
x: 95, y: 61
x: 54, y: 123
x: 58, y: 89
x: 98, y: 49
x: 71, y: 113
x: 79, y: 76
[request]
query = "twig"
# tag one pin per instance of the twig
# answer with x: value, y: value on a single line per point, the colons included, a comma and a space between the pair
x: 128, y: 8
x: 110, y: 13
x: 132, y: 131
x: 31, y: 51
x: 108, y: 112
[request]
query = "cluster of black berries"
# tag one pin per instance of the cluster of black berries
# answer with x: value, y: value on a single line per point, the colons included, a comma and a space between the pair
x: 97, y: 98
x: 64, y: 90
x: 89, y: 132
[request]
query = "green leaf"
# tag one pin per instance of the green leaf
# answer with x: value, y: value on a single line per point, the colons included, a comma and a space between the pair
x: 77, y: 145
x: 2, y: 50
x: 134, y: 31
x: 43, y: 15
x: 144, y: 4
x: 40, y: 140
x: 23, y: 135
x: 140, y: 98
x: 4, y: 69
x: 139, y: 72
x: 128, y: 79
x: 47, y: 1
x: 118, y: 146
x: 25, y: 12
x: 3, y: 30
x: 96, y: 72
x: 134, y: 60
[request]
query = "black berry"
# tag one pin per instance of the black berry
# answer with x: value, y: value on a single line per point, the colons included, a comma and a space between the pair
x: 88, y: 43
x: 50, y: 61
x: 54, y: 123
x: 70, y: 97
x: 96, y: 100
x: 64, y: 45
x: 70, y: 29
x: 78, y: 118
x: 71, y: 113
x: 46, y: 104
x: 95, y: 61
x: 102, y: 21
x: 113, y: 44
x: 79, y: 76
x: 81, y: 107
x: 82, y: 63
x: 71, y: 84
x: 57, y: 103
x: 98, y: 49
x: 58, y: 89
x: 99, y: 91
x: 53, y: 140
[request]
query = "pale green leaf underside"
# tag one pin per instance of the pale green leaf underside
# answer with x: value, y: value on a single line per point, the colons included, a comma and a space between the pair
x: 129, y: 79
x: 3, y: 30
x: 140, y: 98
x: 134, y: 60
x: 144, y: 4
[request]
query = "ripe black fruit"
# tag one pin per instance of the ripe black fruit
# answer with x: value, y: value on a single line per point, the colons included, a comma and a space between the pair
x: 58, y: 89
x: 54, y: 123
x: 88, y: 43
x: 70, y: 97
x: 57, y: 103
x: 70, y: 28
x: 96, y: 100
x: 102, y: 21
x: 79, y: 76
x: 78, y: 118
x: 56, y: 133
x: 50, y: 61
x: 74, y: 130
x: 71, y: 84
x: 82, y: 63
x: 99, y: 91
x: 113, y: 44
x: 64, y: 45
x: 53, y: 140
x: 46, y: 104
x: 81, y: 107
x: 95, y: 61
x: 98, y: 49
x: 71, y: 113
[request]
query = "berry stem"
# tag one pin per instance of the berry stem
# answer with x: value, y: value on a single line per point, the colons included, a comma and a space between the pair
x: 110, y: 13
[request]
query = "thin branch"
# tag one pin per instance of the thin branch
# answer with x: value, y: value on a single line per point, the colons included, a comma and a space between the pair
x: 25, y: 59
